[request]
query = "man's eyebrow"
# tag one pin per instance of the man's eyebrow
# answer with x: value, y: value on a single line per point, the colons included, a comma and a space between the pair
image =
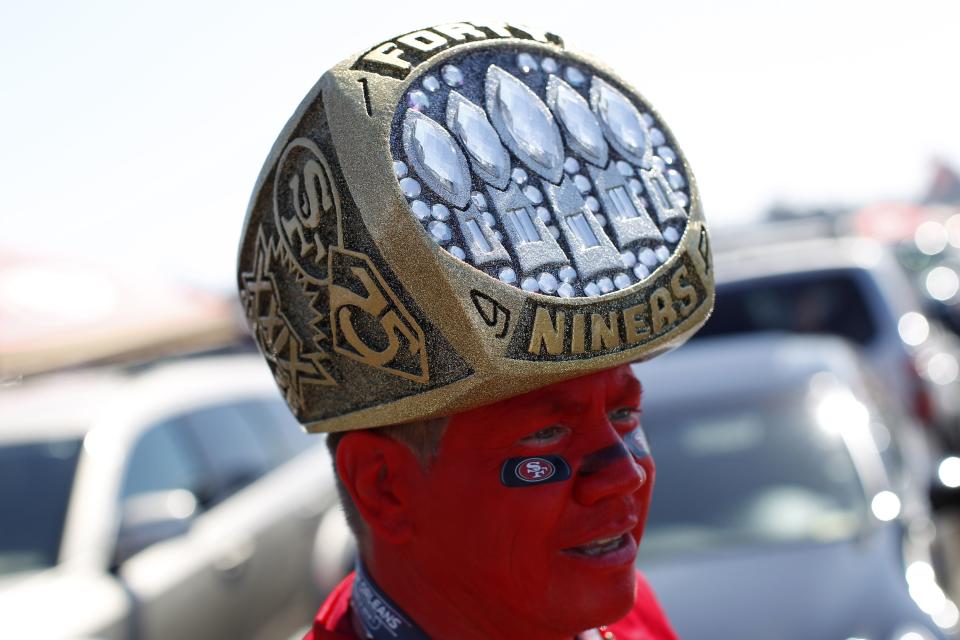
x: 631, y: 392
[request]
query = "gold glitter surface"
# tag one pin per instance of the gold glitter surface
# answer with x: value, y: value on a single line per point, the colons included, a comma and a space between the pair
x: 399, y: 328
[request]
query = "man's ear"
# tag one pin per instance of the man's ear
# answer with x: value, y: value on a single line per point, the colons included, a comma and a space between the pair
x: 379, y: 474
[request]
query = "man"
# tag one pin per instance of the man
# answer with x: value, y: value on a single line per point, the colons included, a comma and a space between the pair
x: 457, y: 245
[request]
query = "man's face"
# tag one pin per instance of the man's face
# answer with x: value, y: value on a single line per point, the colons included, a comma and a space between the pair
x: 555, y: 554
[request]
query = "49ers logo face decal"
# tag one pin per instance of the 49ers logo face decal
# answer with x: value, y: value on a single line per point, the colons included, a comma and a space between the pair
x: 523, y: 472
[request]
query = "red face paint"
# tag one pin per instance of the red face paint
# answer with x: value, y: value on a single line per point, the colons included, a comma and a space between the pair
x: 546, y: 560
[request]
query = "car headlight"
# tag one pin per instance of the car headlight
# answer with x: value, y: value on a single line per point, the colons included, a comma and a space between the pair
x: 913, y: 632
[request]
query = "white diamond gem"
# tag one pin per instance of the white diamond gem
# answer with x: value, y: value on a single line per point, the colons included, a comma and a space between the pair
x: 622, y: 119
x: 548, y: 282
x: 469, y: 123
x: 527, y: 121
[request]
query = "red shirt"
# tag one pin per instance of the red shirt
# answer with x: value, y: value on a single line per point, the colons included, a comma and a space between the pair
x: 645, y: 622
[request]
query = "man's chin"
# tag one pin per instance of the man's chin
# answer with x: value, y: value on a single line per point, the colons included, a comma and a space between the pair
x: 595, y: 597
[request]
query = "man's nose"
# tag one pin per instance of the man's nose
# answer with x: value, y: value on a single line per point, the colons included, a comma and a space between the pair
x: 609, y: 471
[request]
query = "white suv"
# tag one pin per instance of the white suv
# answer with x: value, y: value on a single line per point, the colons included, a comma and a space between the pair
x: 181, y: 501
x: 852, y: 288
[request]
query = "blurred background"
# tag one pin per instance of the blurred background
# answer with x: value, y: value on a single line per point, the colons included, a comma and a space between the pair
x: 825, y: 144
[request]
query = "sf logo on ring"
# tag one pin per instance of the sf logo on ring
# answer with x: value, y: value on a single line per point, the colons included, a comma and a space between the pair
x: 523, y: 472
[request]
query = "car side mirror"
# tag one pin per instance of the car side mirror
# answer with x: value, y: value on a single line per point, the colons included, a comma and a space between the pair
x: 945, y: 486
x: 149, y: 518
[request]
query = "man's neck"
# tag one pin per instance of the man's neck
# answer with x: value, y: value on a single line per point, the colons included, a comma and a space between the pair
x: 399, y: 606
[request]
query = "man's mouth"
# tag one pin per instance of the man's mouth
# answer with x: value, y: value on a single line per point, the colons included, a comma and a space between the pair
x: 607, y: 551
x: 599, y: 547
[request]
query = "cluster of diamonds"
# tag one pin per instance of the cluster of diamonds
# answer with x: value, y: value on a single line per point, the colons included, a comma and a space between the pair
x: 549, y: 178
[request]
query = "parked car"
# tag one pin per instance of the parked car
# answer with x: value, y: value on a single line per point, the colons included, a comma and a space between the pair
x: 180, y: 501
x: 852, y: 288
x: 791, y: 501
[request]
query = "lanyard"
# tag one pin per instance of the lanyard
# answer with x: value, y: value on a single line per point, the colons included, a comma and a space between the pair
x: 382, y: 619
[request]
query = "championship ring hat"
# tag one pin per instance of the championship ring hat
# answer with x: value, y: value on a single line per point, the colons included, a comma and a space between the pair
x: 462, y: 214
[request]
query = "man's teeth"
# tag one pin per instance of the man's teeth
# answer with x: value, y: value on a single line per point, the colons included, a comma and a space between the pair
x: 598, y: 547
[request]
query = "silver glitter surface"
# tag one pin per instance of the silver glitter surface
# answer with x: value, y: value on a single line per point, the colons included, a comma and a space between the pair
x: 531, y: 241
x: 478, y: 200
x: 590, y: 226
x: 662, y: 197
x: 629, y: 221
x: 590, y: 248
x: 485, y: 248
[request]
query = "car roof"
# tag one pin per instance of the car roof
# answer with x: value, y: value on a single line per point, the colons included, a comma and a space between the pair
x: 820, y: 254
x: 745, y: 366
x: 69, y: 404
x: 56, y: 405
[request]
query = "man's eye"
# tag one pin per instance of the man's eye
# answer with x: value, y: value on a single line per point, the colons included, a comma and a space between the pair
x: 626, y: 417
x: 547, y: 435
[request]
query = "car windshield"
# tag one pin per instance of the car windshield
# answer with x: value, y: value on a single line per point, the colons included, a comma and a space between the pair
x: 748, y: 474
x: 830, y: 303
x: 35, y: 482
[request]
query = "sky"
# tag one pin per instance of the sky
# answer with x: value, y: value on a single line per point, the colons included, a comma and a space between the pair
x: 132, y: 132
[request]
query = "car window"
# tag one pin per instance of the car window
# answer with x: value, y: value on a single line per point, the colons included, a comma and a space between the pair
x: 748, y: 473
x: 229, y: 446
x: 35, y: 483
x: 830, y: 303
x: 160, y: 461
x: 279, y: 432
